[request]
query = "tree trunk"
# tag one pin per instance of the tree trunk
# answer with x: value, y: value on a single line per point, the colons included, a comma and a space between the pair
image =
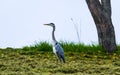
x: 101, y: 13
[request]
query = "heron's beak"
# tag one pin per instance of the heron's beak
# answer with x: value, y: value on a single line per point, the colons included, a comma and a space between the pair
x: 47, y: 24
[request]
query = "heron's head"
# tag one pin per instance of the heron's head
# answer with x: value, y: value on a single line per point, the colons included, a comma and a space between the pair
x: 50, y: 24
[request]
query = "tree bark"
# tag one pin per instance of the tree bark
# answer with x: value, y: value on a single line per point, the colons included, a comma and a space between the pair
x: 101, y: 13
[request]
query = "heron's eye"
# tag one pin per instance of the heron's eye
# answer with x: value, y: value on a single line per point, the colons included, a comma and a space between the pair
x: 56, y: 43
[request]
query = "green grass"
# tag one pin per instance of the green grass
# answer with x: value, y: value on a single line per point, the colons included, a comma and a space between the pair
x: 39, y: 59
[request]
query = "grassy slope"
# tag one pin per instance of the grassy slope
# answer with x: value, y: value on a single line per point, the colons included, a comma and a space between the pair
x: 39, y: 59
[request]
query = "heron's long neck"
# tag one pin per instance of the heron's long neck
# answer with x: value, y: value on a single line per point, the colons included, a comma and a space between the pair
x: 53, y: 35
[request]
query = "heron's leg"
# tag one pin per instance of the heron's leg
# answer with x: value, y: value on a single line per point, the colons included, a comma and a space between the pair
x: 56, y: 59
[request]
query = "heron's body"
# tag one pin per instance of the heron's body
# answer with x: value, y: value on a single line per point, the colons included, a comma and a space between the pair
x: 57, y: 49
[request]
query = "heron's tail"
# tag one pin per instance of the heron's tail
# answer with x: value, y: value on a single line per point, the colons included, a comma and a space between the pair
x: 63, y: 59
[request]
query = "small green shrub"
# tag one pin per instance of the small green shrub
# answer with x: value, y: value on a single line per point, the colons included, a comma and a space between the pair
x: 41, y: 46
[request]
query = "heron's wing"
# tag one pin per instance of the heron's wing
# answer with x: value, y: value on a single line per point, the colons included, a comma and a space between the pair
x: 60, y: 52
x: 59, y: 49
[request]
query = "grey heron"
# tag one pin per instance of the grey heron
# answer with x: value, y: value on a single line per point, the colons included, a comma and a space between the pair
x: 57, y: 49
